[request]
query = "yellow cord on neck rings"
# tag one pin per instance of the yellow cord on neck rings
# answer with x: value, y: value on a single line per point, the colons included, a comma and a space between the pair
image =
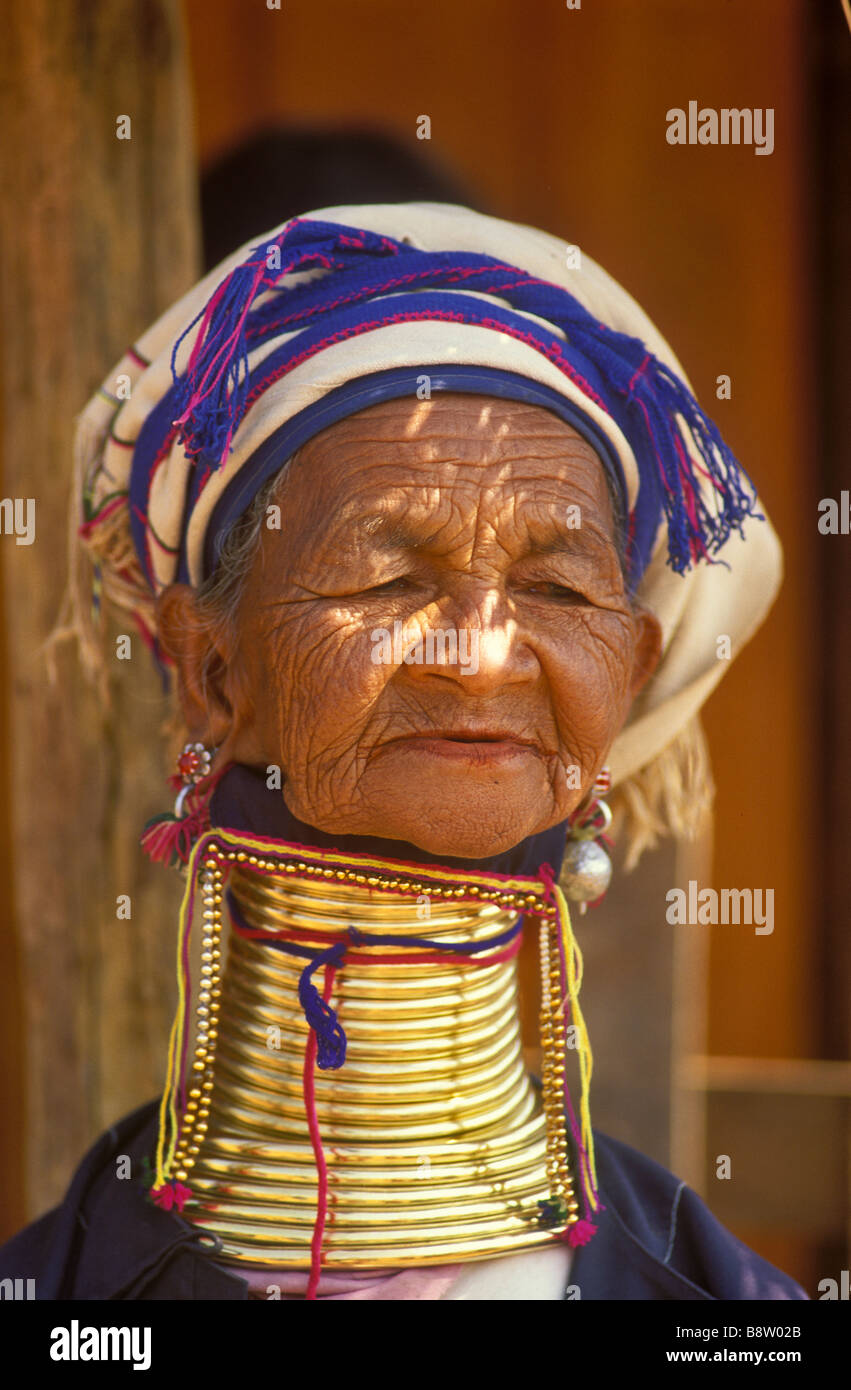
x: 572, y: 957
x: 168, y: 1122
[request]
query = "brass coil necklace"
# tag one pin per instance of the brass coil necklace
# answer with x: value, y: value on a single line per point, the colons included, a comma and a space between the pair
x: 434, y: 1144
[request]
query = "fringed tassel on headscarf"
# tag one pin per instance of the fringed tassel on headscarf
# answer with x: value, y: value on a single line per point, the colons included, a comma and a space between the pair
x: 104, y: 572
x: 210, y: 396
x: 672, y: 436
x: 672, y: 795
x: 697, y: 529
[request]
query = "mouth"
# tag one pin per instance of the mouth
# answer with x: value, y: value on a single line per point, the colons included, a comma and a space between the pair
x: 484, y: 747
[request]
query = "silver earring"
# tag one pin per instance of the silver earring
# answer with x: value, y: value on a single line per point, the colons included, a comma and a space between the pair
x: 586, y: 868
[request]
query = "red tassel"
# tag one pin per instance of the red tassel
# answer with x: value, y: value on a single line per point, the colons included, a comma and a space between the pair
x: 168, y: 839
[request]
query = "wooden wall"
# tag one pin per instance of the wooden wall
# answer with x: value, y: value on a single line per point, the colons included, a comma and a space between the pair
x: 97, y: 237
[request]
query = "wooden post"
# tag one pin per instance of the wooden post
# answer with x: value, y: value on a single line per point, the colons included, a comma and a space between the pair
x: 98, y: 235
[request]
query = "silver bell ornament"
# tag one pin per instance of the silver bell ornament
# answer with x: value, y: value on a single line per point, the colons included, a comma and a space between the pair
x: 586, y: 868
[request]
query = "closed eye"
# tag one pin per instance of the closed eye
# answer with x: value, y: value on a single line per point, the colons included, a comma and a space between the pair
x: 386, y: 586
x: 556, y: 591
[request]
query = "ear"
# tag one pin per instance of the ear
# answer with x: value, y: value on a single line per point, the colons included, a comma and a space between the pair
x: 648, y: 648
x: 207, y: 674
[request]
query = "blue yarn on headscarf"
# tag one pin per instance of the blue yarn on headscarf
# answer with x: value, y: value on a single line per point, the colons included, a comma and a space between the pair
x: 373, y: 280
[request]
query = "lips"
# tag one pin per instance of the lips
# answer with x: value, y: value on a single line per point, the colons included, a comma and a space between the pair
x: 469, y: 747
x: 473, y: 736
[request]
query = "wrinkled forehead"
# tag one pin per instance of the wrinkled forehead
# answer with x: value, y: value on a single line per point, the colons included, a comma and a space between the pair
x: 403, y: 466
x: 477, y: 430
x: 412, y: 408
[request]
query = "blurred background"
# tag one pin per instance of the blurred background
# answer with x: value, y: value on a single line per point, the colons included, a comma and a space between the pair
x: 708, y: 1041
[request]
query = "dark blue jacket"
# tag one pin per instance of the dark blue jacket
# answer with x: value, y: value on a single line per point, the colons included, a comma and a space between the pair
x: 655, y: 1240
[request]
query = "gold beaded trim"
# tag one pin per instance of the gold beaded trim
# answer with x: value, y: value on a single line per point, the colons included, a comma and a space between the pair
x: 196, y: 1115
x: 563, y: 1204
x: 523, y: 901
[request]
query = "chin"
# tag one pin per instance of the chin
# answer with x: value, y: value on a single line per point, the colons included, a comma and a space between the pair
x: 439, y: 832
x: 459, y: 813
x: 464, y: 847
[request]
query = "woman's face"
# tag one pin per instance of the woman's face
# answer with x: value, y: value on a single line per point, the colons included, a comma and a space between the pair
x: 485, y: 521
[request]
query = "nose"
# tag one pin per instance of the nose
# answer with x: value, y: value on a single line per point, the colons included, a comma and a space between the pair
x: 472, y: 640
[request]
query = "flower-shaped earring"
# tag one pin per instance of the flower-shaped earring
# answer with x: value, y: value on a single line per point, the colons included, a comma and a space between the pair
x: 194, y: 762
x: 193, y: 766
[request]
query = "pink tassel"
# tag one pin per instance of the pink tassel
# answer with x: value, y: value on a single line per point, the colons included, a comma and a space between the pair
x: 171, y: 1195
x: 580, y: 1233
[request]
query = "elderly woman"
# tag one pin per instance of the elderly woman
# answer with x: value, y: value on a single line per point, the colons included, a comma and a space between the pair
x: 426, y: 520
